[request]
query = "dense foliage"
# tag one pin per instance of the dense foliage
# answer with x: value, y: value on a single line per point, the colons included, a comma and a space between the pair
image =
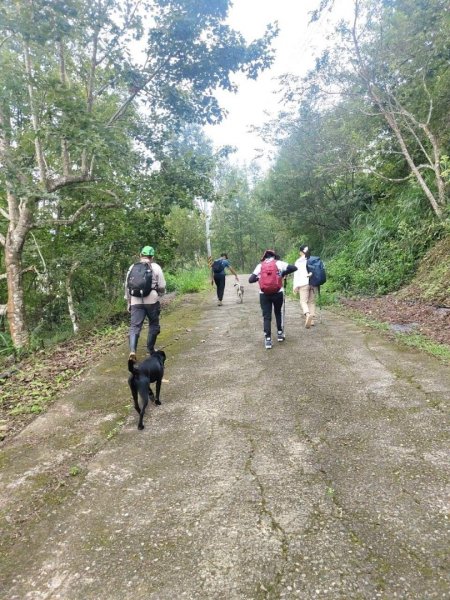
x: 101, y: 151
x: 362, y: 170
x: 94, y: 101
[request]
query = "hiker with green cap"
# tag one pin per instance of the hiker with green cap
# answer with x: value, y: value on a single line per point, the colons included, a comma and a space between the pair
x: 144, y: 284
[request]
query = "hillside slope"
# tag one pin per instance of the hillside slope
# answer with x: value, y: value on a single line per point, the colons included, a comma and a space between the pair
x: 432, y: 281
x: 423, y: 306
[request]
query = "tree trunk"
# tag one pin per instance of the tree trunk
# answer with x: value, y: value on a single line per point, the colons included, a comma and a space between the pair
x: 70, y: 302
x: 16, y: 305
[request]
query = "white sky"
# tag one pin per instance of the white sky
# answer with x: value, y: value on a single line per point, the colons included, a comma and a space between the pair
x: 296, y: 46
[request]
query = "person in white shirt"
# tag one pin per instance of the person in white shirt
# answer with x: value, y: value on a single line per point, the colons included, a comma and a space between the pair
x: 302, y: 287
x: 275, y: 298
x: 146, y: 306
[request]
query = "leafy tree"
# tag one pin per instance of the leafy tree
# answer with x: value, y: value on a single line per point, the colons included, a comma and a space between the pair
x: 393, y: 57
x: 241, y: 225
x: 313, y: 186
x: 70, y: 130
x: 187, y: 230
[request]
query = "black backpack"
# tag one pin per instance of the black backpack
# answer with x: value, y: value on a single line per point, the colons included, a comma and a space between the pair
x: 139, y: 281
x: 315, y: 266
x: 217, y: 266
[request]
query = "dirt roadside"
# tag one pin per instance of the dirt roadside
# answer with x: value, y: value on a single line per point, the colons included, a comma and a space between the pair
x: 318, y: 469
x: 412, y: 316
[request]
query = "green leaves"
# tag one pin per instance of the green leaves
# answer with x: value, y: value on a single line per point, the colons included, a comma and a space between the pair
x: 88, y: 123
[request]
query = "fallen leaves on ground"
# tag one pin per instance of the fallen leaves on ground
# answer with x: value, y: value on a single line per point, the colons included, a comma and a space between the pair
x: 427, y: 319
x: 39, y: 378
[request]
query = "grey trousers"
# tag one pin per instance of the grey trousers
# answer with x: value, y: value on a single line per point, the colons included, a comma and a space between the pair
x: 138, y: 314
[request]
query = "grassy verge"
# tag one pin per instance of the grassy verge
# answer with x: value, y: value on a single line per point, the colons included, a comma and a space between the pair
x: 188, y: 281
x: 31, y: 384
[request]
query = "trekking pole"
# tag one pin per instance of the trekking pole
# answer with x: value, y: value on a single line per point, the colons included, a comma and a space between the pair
x: 283, y: 316
x: 319, y: 304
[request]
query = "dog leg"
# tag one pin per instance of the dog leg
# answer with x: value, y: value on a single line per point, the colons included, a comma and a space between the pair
x: 158, y: 390
x: 134, y: 392
x: 143, y: 393
x: 152, y: 395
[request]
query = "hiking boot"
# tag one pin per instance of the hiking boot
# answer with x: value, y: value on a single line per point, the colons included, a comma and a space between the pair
x: 308, y: 321
x: 219, y: 303
x: 280, y: 336
x: 268, y: 343
x: 133, y: 341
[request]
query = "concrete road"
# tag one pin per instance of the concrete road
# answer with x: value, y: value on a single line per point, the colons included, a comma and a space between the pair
x: 317, y: 469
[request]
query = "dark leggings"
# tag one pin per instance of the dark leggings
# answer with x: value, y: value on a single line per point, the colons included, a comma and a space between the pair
x: 219, y: 280
x: 267, y: 301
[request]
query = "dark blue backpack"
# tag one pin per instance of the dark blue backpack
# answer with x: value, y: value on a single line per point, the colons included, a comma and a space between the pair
x: 217, y: 266
x: 315, y: 266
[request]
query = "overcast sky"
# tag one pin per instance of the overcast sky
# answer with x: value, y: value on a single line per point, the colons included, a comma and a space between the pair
x: 296, y: 46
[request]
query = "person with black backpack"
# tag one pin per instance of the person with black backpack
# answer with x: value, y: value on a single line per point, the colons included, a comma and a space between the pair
x: 144, y: 284
x: 218, y: 275
x: 270, y: 273
x: 309, y: 277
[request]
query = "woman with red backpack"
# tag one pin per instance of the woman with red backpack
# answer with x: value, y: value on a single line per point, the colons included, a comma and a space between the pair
x: 270, y: 273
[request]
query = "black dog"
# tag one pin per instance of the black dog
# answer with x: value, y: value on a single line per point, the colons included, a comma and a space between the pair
x: 149, y: 371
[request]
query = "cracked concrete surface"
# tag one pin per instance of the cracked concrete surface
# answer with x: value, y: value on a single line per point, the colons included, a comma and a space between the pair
x: 318, y: 469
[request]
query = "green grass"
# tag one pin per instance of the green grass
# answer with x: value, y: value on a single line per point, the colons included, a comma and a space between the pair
x: 415, y: 340
x: 188, y: 282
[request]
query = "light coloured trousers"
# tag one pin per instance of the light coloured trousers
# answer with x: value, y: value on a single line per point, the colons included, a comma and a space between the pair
x: 308, y: 299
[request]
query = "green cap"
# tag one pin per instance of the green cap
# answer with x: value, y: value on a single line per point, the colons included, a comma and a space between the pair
x: 148, y: 251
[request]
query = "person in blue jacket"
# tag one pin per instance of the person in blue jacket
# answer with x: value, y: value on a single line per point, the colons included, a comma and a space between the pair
x: 218, y: 275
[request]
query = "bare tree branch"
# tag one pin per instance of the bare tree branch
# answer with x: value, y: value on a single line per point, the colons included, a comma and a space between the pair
x: 35, y: 118
x: 73, y: 218
x: 384, y: 177
x: 32, y: 268
x: 40, y: 254
x: 4, y: 213
x: 121, y: 110
x: 68, y: 180
x: 5, y: 39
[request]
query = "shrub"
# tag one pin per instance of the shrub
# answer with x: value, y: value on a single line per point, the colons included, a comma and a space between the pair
x: 381, y: 250
x: 188, y: 281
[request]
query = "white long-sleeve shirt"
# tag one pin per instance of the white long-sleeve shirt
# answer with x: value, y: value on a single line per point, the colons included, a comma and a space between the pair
x: 301, y: 275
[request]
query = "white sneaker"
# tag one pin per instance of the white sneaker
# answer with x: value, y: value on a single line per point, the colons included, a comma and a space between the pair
x: 267, y: 343
x: 280, y: 336
x: 308, y: 321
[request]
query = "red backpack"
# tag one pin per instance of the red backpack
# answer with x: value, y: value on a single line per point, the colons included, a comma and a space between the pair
x: 270, y: 280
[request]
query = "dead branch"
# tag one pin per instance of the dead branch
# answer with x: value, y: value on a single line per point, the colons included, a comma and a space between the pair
x: 68, y: 180
x: 73, y: 218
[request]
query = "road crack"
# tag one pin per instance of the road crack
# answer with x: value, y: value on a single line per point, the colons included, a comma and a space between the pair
x: 266, y: 515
